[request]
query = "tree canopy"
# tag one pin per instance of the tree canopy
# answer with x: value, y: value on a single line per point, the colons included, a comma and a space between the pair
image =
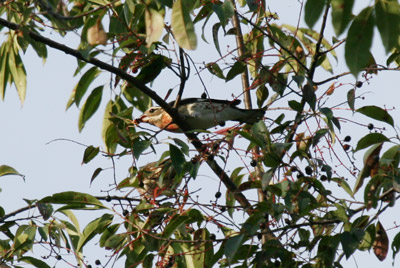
x: 291, y: 189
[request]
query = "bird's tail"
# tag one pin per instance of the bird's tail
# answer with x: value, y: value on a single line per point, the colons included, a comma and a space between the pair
x: 251, y: 116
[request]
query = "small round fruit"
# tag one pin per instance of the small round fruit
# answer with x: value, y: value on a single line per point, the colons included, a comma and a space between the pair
x: 218, y: 194
x: 253, y: 163
x: 213, y: 237
x: 346, y: 147
x: 308, y: 170
x: 323, y: 178
x: 359, y: 84
x: 204, y: 95
x: 97, y: 262
x: 347, y: 139
x: 108, y: 198
x: 125, y: 212
x: 370, y: 126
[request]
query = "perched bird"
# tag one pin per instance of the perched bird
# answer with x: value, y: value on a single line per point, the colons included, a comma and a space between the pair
x: 157, y: 178
x: 201, y: 114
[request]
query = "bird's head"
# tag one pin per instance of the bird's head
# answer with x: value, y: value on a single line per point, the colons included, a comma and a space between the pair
x: 152, y: 115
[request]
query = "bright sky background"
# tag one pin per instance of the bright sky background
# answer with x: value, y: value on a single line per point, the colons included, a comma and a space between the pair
x: 56, y: 167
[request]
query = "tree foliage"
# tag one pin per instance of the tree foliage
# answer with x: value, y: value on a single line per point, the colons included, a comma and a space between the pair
x: 281, y: 172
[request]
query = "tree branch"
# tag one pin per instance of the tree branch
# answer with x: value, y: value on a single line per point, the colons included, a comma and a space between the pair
x: 152, y: 94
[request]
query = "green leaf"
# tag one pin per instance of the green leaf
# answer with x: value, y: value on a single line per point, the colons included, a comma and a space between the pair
x: 182, y: 25
x: 359, y: 40
x: 109, y: 133
x: 90, y: 107
x: 4, y: 70
x: 35, y: 262
x: 138, y: 99
x: 96, y: 226
x: 215, y: 69
x: 351, y: 98
x: 224, y: 12
x: 215, y: 29
x: 95, y: 174
x: 139, y: 147
x: 327, y: 250
x: 45, y: 209
x: 388, y: 22
x: 370, y: 139
x: 342, y: 183
x: 237, y: 68
x: 90, y: 153
x: 7, y: 170
x: 341, y: 14
x: 174, y: 224
x: 151, y: 70
x: 262, y: 94
x: 154, y: 26
x: 72, y: 198
x: 232, y: 245
x: 351, y: 240
x: 177, y: 157
x: 396, y: 245
x: 312, y: 11
x: 82, y: 86
x: 376, y: 113
x: 18, y: 74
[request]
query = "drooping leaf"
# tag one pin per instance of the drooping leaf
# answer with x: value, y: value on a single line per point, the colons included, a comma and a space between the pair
x: 95, y: 174
x: 351, y: 240
x: 82, y: 86
x: 177, y: 157
x: 182, y: 25
x: 174, y: 224
x: 313, y: 11
x: 18, y: 74
x: 381, y: 243
x: 388, y: 22
x: 232, y: 246
x: 341, y: 14
x: 351, y: 98
x: 371, y: 161
x: 215, y: 30
x: 45, y: 209
x: 90, y: 107
x: 7, y: 170
x: 377, y: 113
x: 224, y: 12
x: 359, y: 40
x: 109, y: 133
x: 237, y: 68
x: 90, y: 153
x: 154, y: 26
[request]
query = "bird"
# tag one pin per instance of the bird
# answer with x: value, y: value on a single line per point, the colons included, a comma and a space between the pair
x: 201, y: 114
x: 157, y: 178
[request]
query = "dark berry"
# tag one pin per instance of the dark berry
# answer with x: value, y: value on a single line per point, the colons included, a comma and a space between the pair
x: 253, y: 163
x: 89, y: 266
x: 359, y: 84
x: 347, y: 139
x: 58, y: 257
x: 287, y: 221
x: 324, y: 178
x: 221, y: 123
x: 370, y: 126
x: 346, y: 147
x: 213, y: 237
x: 204, y: 95
x: 193, y: 160
x: 125, y: 212
x: 97, y: 262
x: 218, y: 194
x: 108, y: 198
x: 223, y: 209
x: 293, y: 169
x: 259, y: 236
x: 308, y: 170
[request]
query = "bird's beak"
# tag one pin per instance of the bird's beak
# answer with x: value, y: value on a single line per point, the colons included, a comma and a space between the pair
x: 142, y: 118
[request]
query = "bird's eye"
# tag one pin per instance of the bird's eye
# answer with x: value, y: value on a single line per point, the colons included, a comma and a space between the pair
x: 152, y: 110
